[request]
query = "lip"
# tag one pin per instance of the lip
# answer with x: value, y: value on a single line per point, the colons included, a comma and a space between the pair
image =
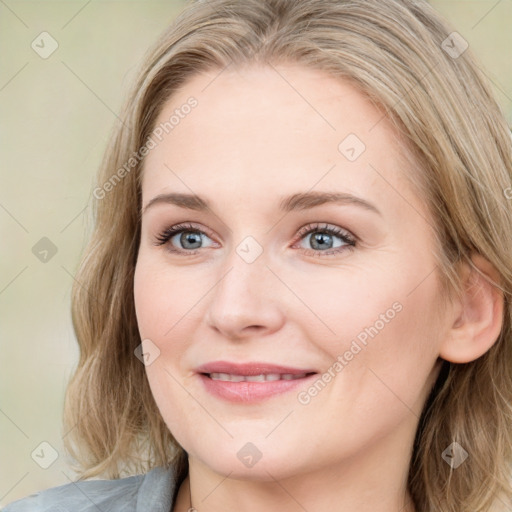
x: 253, y: 368
x: 247, y: 392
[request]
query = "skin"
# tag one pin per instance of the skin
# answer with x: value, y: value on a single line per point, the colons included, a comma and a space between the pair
x: 254, y: 138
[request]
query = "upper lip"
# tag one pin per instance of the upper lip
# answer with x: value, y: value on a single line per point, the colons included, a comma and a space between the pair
x: 253, y: 368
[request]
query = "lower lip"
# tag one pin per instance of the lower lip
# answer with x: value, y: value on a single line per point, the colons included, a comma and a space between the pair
x: 252, y: 391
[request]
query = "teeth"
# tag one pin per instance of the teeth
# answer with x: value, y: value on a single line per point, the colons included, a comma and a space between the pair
x: 255, y: 378
x: 232, y: 378
x: 227, y: 377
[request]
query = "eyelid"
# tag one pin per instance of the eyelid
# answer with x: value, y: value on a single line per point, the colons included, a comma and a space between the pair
x: 162, y: 237
x: 325, y: 226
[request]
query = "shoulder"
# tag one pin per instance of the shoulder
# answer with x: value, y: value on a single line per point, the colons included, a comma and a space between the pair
x: 151, y: 491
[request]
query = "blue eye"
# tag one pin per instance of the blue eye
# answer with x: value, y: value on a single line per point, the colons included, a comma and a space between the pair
x: 190, y: 237
x: 321, y: 239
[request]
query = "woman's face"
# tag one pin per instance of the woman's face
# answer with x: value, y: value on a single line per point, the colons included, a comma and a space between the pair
x: 276, y: 275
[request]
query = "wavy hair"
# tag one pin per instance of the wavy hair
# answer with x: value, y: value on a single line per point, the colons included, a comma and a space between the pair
x: 406, y: 60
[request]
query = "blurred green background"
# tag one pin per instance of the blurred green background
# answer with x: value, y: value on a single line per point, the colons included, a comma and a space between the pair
x: 56, y: 116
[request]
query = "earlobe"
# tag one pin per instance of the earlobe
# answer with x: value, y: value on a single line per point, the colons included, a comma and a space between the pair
x: 478, y: 318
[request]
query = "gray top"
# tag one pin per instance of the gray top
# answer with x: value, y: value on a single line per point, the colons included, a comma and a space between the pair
x: 151, y: 492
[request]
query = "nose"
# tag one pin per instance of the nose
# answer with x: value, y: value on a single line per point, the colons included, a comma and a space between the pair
x: 245, y: 301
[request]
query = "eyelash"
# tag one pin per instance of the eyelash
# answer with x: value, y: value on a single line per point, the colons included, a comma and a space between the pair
x: 350, y: 241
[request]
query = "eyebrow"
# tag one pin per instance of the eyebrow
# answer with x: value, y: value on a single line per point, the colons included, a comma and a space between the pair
x: 298, y: 201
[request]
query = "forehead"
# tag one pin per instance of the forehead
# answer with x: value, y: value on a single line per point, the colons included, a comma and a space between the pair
x: 262, y: 131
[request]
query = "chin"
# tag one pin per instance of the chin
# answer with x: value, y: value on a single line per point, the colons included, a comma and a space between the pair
x: 246, y: 460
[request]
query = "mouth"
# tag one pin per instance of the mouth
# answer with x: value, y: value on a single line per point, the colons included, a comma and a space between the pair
x: 262, y: 377
x: 251, y: 382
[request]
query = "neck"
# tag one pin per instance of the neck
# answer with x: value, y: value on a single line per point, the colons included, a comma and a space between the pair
x: 371, y: 481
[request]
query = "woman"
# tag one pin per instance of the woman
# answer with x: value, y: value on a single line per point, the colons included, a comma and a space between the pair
x: 297, y: 295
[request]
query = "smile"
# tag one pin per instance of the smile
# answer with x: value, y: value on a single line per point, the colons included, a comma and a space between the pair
x: 227, y: 377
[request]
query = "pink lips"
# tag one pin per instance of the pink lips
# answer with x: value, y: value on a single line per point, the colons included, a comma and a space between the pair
x: 249, y: 368
x: 226, y: 381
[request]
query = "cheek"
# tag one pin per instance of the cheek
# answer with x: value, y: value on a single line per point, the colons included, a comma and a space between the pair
x: 383, y: 329
x: 158, y: 314
x: 390, y: 349
x: 148, y: 296
x: 161, y: 299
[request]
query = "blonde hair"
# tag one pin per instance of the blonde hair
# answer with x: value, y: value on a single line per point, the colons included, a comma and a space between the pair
x: 396, y: 53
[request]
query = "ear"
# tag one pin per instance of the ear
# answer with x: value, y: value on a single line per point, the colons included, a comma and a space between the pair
x: 478, y: 316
